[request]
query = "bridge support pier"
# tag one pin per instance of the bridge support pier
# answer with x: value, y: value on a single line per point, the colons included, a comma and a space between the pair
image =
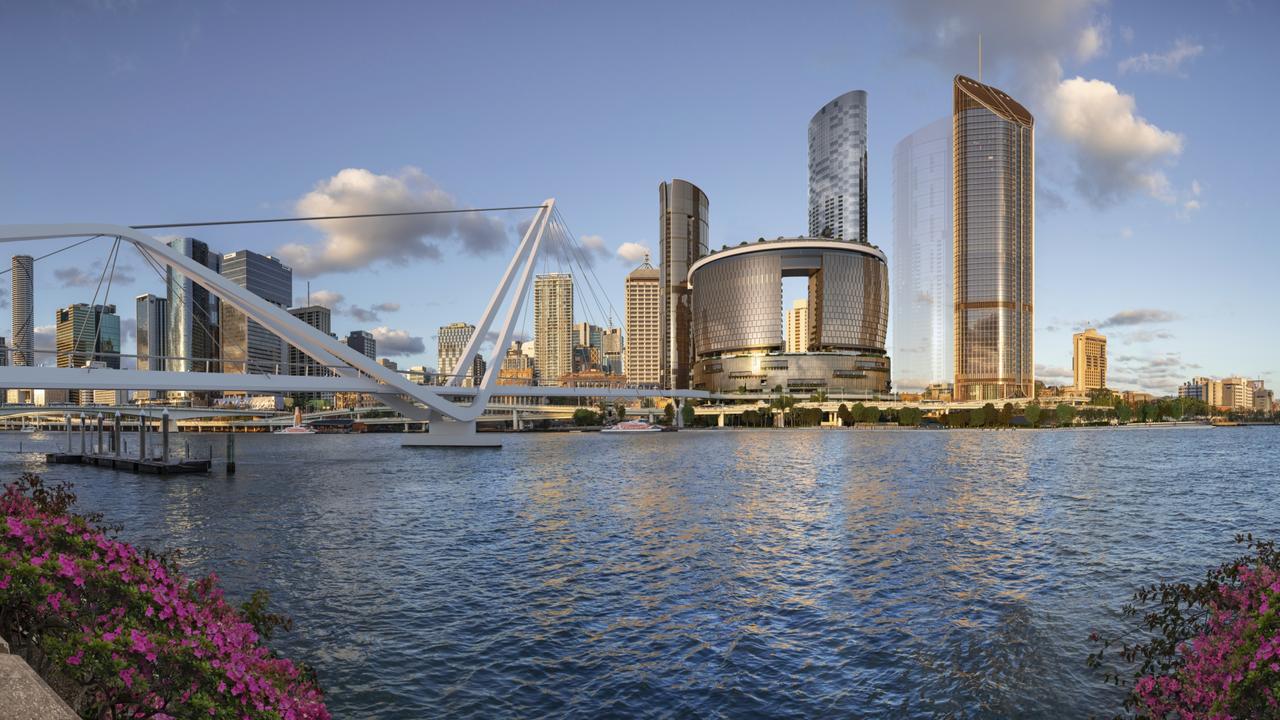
x: 679, y: 418
x: 720, y: 420
x: 449, y: 433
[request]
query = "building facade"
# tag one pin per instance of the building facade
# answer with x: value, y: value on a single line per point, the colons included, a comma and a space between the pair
x: 1202, y: 388
x: 23, y: 336
x: 798, y: 327
x: 838, y: 168
x: 923, y: 259
x: 994, y: 217
x: 612, y: 345
x: 451, y: 341
x: 1089, y: 360
x: 194, y: 341
x: 87, y: 334
x: 682, y: 239
x: 642, y: 363
x: 300, y: 363
x: 737, y: 310
x: 247, y: 347
x: 553, y: 326
x: 363, y: 342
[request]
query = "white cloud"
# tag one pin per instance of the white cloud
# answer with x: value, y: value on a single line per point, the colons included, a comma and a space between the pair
x: 387, y: 307
x: 1141, y: 316
x: 1126, y: 232
x: 45, y: 339
x: 1054, y: 375
x: 392, y: 343
x: 1169, y: 62
x: 90, y: 277
x: 1117, y: 151
x: 633, y: 252
x: 336, y: 302
x: 356, y: 243
x: 325, y: 298
x: 1092, y: 41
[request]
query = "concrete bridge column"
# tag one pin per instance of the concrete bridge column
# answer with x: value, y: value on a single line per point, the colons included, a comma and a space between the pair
x: 720, y: 420
x: 679, y: 415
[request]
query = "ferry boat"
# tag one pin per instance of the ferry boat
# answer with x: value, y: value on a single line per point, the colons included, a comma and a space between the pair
x: 631, y: 426
x: 297, y: 428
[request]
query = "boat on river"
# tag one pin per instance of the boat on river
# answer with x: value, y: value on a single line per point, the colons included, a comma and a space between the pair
x: 297, y: 428
x: 631, y: 426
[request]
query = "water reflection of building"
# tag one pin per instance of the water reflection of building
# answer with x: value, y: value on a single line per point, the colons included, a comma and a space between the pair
x: 737, y: 311
x: 994, y: 180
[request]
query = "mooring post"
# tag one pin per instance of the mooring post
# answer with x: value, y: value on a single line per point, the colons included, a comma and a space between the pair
x: 66, y: 417
x: 164, y: 436
x: 142, y: 437
x: 115, y: 436
x: 99, y: 450
x: 231, y: 453
x: 82, y: 445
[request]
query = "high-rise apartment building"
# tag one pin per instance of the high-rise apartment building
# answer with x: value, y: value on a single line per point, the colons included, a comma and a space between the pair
x: 451, y: 341
x: 1089, y: 360
x: 193, y: 335
x: 247, y: 347
x: 1202, y: 388
x: 798, y: 327
x: 994, y: 190
x: 642, y: 361
x: 300, y: 363
x: 612, y: 345
x: 923, y: 259
x: 363, y: 342
x: 838, y: 168
x: 23, y: 316
x: 682, y: 239
x: 389, y: 364
x: 152, y: 323
x: 1237, y: 393
x: 553, y: 326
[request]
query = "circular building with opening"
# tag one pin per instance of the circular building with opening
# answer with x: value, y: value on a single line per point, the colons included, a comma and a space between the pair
x: 738, y: 326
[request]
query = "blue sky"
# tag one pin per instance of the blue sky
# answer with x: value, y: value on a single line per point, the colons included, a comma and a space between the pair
x: 1156, y: 161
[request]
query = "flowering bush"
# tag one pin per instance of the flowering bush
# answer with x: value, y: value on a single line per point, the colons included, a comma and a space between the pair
x: 1210, y: 650
x: 137, y: 638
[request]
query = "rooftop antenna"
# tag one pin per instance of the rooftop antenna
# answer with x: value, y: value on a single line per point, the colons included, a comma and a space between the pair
x: 979, y: 57
x: 308, y: 293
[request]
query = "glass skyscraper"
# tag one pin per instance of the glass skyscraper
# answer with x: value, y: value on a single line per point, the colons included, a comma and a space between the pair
x: 247, y: 347
x: 683, y: 239
x: 192, y: 336
x: 923, y: 258
x: 838, y: 168
x: 994, y: 186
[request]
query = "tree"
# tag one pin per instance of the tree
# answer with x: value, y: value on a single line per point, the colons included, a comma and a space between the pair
x: 1124, y: 413
x: 846, y: 417
x: 750, y: 418
x: 909, y: 416
x: 783, y: 403
x: 585, y: 417
x: 620, y: 411
x: 1065, y: 413
x: 990, y: 416
x: 687, y: 414
x: 870, y: 414
x: 977, y: 418
x: 1006, y: 415
x: 1032, y: 413
x: 669, y: 413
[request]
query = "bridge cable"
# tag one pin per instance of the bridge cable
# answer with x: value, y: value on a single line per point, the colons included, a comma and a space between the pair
x: 75, y: 339
x: 97, y: 336
x: 23, y: 328
x: 330, y: 217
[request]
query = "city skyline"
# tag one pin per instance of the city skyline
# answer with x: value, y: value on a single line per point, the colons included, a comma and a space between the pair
x: 1137, y: 216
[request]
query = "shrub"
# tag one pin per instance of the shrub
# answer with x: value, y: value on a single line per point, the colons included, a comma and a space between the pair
x: 128, y: 628
x: 1206, y: 650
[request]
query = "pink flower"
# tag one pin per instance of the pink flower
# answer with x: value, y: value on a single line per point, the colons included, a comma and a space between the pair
x: 76, y: 658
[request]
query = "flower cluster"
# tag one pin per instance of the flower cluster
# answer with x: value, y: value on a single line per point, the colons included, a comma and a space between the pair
x: 1231, y: 669
x: 129, y: 628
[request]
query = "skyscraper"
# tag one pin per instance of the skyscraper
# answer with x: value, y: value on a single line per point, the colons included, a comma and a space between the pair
x: 642, y: 362
x: 994, y: 187
x: 152, y: 323
x: 798, y: 327
x: 23, y: 314
x: 300, y: 363
x: 451, y: 340
x: 683, y: 238
x: 247, y: 347
x: 838, y: 168
x: 923, y: 259
x: 553, y: 326
x: 612, y: 345
x: 363, y: 342
x: 193, y: 335
x: 87, y: 334
x: 1089, y: 360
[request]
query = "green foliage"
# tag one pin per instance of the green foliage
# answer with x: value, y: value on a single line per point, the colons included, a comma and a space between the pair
x: 869, y: 414
x: 669, y: 413
x: 1032, y: 413
x: 585, y: 417
x: 620, y: 411
x: 687, y: 414
x: 846, y: 417
x: 1006, y: 415
x: 977, y: 418
x: 1064, y: 414
x: 910, y: 416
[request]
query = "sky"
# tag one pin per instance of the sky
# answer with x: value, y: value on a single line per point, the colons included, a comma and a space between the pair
x: 1156, y: 161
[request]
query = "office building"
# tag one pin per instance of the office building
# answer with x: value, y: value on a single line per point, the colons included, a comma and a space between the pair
x: 1237, y: 393
x: 87, y: 334
x: 798, y: 327
x: 517, y: 368
x: 923, y: 259
x: 192, y: 335
x: 553, y: 326
x: 1203, y: 388
x: 612, y: 345
x: 994, y: 190
x: 737, y: 318
x: 642, y: 356
x: 151, y: 317
x: 23, y: 301
x: 247, y: 347
x: 451, y: 341
x: 682, y: 239
x: 389, y: 364
x: 363, y: 342
x: 478, y: 367
x: 1089, y: 360
x: 300, y: 363
x: 590, y: 336
x: 838, y: 169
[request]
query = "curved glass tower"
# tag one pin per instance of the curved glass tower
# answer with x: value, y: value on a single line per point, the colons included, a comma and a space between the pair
x: 682, y: 239
x: 923, y: 258
x: 994, y: 208
x: 838, y: 168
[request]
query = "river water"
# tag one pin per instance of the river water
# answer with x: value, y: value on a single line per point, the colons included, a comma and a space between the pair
x: 729, y: 573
